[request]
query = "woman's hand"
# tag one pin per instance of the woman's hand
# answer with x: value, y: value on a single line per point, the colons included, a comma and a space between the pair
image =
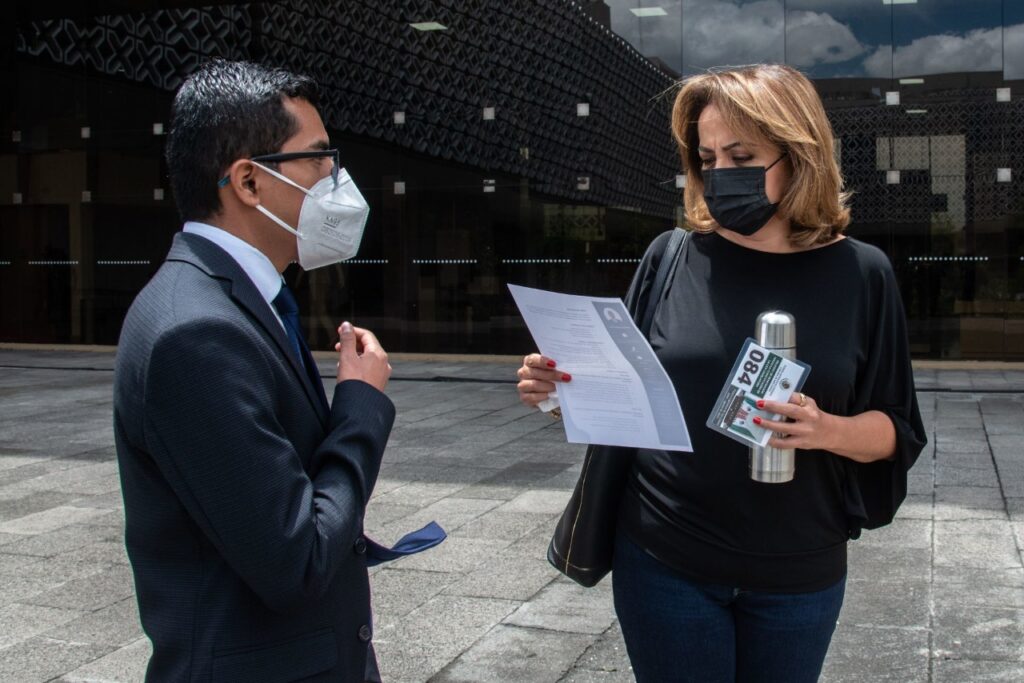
x: 867, y: 437
x: 810, y: 427
x: 537, y: 379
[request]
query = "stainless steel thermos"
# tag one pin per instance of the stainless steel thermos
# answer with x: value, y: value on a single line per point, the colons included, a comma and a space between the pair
x: 776, y: 331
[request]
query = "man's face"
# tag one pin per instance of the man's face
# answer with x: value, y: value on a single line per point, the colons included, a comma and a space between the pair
x: 279, y: 197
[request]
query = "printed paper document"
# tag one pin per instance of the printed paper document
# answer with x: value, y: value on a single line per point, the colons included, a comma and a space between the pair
x: 619, y: 395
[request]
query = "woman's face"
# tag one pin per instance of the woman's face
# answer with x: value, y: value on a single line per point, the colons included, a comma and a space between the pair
x: 720, y: 147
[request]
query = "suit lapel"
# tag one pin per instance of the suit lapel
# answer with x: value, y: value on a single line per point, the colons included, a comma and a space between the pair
x: 217, y: 263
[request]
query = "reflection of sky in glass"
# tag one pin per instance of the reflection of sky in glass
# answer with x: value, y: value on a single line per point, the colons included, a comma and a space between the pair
x: 943, y: 36
x: 1013, y: 40
x: 831, y: 38
x: 732, y: 32
x: 656, y: 37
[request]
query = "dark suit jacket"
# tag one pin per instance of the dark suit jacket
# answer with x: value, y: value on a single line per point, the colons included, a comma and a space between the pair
x: 244, y: 498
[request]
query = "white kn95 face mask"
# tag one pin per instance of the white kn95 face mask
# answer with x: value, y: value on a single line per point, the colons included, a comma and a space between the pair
x: 331, y: 220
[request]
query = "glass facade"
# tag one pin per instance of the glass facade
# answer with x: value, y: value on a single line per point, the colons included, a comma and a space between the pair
x: 522, y: 142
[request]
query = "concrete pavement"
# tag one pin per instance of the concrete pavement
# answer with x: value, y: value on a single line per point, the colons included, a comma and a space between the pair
x: 937, y: 596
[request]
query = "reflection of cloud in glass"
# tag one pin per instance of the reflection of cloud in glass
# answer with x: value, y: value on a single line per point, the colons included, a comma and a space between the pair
x: 827, y: 38
x: 833, y: 7
x: 977, y: 50
x: 653, y: 36
x: 731, y: 32
x: 918, y: 9
x: 1013, y: 51
x: 817, y: 38
x: 720, y: 32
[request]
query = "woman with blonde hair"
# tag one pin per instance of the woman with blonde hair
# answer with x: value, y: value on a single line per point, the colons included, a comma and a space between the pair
x: 718, y: 577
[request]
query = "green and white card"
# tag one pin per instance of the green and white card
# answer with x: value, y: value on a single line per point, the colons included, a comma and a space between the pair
x: 758, y: 373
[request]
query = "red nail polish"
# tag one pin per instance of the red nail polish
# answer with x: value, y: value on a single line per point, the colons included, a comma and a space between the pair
x: 551, y: 363
x: 757, y: 420
x: 566, y: 377
x: 760, y: 404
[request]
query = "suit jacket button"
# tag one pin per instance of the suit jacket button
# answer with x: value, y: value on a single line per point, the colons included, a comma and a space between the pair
x: 365, y: 633
x: 360, y: 546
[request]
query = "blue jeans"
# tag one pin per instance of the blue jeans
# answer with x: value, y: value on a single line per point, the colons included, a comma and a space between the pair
x: 679, y: 630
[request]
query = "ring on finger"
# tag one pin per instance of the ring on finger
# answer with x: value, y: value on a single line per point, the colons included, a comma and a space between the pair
x: 803, y: 398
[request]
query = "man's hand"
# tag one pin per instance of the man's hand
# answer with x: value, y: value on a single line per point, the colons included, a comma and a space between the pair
x: 361, y: 357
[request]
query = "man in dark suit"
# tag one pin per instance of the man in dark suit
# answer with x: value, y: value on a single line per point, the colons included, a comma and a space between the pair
x: 244, y: 490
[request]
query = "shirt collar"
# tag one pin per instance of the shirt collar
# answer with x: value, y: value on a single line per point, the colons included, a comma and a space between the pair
x: 251, y: 260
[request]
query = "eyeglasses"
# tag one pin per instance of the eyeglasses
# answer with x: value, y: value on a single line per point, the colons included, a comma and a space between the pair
x: 292, y: 156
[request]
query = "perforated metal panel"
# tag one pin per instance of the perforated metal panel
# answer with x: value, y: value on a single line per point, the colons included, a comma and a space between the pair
x: 533, y: 62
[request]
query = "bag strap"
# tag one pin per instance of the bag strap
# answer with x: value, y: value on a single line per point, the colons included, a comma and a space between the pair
x: 665, y: 268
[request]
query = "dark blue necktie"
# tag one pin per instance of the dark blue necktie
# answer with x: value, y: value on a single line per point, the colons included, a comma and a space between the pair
x: 288, y: 309
x: 410, y: 544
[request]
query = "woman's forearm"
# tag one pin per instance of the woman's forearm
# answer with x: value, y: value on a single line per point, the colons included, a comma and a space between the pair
x: 867, y: 437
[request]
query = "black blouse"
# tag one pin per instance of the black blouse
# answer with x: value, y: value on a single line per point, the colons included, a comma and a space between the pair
x: 700, y: 512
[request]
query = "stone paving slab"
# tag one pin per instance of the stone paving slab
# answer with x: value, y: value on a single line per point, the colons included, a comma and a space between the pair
x: 936, y: 596
x: 126, y: 663
x: 513, y: 653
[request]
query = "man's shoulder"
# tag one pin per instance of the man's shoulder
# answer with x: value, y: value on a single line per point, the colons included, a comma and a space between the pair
x: 180, y: 288
x: 179, y: 296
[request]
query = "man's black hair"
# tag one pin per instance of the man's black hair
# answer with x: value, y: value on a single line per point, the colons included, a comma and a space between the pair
x: 223, y: 112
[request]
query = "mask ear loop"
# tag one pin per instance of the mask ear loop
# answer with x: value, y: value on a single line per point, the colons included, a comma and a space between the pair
x: 266, y: 212
x: 282, y: 178
x: 781, y: 157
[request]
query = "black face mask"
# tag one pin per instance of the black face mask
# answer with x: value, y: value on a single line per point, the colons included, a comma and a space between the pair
x: 736, y: 198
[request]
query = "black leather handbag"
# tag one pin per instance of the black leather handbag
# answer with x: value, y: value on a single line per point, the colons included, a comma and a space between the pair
x: 584, y: 539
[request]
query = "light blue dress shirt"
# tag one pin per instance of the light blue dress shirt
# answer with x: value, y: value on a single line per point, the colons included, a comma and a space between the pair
x: 250, y: 259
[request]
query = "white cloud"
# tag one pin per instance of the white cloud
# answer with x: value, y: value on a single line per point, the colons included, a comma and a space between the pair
x: 656, y: 36
x: 977, y: 50
x: 733, y: 32
x: 863, y: 8
x: 817, y: 38
x: 833, y: 7
x: 724, y: 33
x: 879, y: 62
x: 1013, y: 51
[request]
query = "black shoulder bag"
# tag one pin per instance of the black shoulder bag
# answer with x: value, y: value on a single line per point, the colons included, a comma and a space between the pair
x: 584, y: 539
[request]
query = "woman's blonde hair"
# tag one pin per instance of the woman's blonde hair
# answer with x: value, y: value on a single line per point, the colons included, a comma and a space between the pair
x: 776, y: 104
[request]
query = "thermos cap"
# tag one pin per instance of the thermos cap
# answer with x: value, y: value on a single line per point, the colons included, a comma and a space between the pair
x: 775, y: 330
